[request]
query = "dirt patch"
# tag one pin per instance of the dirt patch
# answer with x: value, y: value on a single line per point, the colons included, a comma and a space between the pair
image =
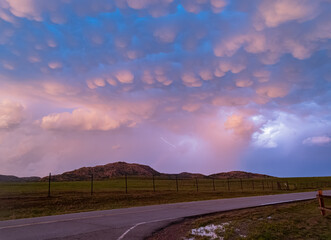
x: 174, y: 231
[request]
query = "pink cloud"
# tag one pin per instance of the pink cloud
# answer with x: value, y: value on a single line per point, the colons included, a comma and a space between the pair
x: 240, y: 125
x: 80, y: 119
x: 243, y: 82
x: 273, y: 91
x: 11, y: 114
x: 252, y: 42
x: 55, y: 65
x: 165, y: 34
x: 191, y: 107
x: 191, y: 80
x: 317, y: 140
x: 278, y: 12
x: 124, y: 76
x: 195, y: 6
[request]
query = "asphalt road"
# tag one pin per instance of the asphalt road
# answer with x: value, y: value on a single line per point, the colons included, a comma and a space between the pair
x: 130, y: 223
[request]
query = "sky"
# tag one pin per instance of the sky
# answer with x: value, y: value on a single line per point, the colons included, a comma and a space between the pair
x: 180, y: 85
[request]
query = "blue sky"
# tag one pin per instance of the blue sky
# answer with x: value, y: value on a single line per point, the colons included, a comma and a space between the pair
x: 180, y: 85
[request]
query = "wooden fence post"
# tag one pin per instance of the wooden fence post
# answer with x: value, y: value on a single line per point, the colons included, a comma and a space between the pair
x: 126, y: 183
x: 213, y: 184
x: 49, y: 185
x: 196, y: 183
x: 228, y: 184
x: 91, y: 184
x: 176, y: 183
x: 153, y: 183
x: 241, y: 185
x: 321, y: 201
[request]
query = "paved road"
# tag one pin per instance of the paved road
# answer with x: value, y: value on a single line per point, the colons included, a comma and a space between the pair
x: 130, y: 223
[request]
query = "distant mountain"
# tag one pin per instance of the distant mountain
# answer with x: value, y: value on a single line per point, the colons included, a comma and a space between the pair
x: 11, y: 178
x: 182, y: 175
x: 119, y: 169
x: 191, y: 175
x: 107, y: 171
x: 30, y: 179
x: 238, y: 174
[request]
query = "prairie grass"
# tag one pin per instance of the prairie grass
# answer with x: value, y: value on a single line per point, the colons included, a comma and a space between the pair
x: 301, y: 220
x: 30, y: 199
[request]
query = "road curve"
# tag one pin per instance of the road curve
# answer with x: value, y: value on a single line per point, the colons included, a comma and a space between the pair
x: 130, y: 223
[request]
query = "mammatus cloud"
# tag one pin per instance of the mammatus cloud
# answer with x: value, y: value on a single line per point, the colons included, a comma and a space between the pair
x: 214, y: 78
x: 274, y: 13
x: 81, y: 119
x: 11, y: 114
x: 273, y: 91
x: 124, y: 76
x: 191, y: 107
x: 59, y: 10
x: 239, y: 125
x: 317, y: 140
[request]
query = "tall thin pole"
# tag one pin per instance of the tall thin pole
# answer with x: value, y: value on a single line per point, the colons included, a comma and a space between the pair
x: 196, y: 183
x: 177, y: 183
x: 321, y: 201
x: 213, y: 184
x: 49, y: 184
x: 126, y: 183
x: 153, y: 184
x: 91, y: 184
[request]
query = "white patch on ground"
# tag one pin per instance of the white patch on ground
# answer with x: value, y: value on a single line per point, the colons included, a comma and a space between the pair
x: 208, y: 231
x: 240, y: 235
x: 261, y: 219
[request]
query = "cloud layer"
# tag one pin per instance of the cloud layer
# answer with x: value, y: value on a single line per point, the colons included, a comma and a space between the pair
x: 11, y: 114
x: 219, y: 80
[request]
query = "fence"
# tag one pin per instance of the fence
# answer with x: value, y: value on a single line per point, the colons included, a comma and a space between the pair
x: 174, y: 183
x: 320, y: 198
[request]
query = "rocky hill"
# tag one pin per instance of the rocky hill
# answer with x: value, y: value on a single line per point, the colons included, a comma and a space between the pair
x: 120, y: 169
x: 107, y: 171
x: 238, y: 174
x: 182, y: 175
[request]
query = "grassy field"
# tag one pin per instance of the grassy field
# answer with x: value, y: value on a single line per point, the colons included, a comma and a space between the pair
x: 301, y: 220
x: 19, y: 200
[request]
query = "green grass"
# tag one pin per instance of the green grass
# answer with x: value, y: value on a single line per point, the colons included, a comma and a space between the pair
x: 20, y: 200
x: 300, y: 220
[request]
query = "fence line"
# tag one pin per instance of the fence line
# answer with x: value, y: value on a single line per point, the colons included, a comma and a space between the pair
x: 137, y: 183
x: 320, y: 198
